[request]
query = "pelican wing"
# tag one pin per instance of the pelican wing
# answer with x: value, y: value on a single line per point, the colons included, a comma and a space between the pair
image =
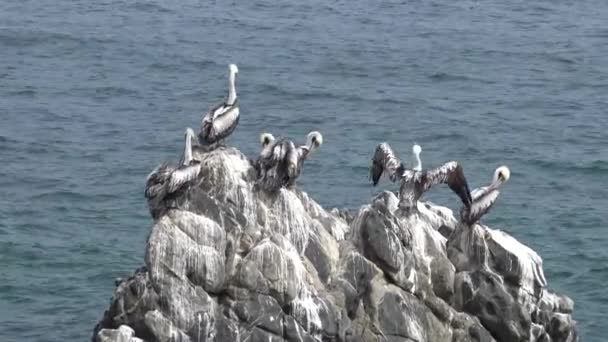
x: 217, y: 110
x: 219, y: 123
x: 212, y: 113
x: 181, y: 176
x: 452, y: 174
x: 157, y: 173
x: 156, y: 180
x: 478, y: 192
x: 269, y: 156
x: 273, y: 164
x: 280, y: 150
x: 384, y: 160
x: 293, y: 162
x: 482, y: 204
x: 224, y: 124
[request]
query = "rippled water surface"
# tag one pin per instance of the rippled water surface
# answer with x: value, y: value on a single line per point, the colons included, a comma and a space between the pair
x: 94, y: 94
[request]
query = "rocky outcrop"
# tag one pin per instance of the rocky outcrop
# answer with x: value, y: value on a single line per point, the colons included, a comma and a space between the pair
x: 233, y: 263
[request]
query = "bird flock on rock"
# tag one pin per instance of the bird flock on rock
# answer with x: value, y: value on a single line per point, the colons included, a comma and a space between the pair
x: 280, y: 163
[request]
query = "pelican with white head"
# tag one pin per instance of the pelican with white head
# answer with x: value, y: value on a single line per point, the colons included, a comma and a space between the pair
x: 221, y: 120
x: 314, y: 140
x: 485, y: 197
x: 501, y: 175
x: 266, y: 139
x: 415, y: 181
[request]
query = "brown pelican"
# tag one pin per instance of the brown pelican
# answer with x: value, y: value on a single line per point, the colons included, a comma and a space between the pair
x: 415, y: 182
x: 484, y: 197
x: 271, y: 165
x: 280, y: 162
x: 165, y: 182
x: 467, y: 246
x: 314, y: 140
x: 441, y: 218
x: 262, y: 164
x: 222, y: 119
x: 473, y: 238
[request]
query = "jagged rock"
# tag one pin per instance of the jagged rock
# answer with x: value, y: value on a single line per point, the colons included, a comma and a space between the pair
x: 132, y: 298
x: 122, y: 334
x: 323, y: 252
x: 483, y: 295
x: 262, y: 311
x: 163, y: 329
x: 502, y: 282
x: 230, y: 262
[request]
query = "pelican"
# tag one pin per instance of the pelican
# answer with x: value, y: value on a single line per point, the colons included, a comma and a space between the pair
x: 415, y: 182
x: 272, y: 164
x: 314, y: 140
x: 467, y: 246
x: 473, y: 239
x: 262, y: 164
x: 483, y: 198
x: 280, y: 162
x: 165, y: 181
x: 438, y: 216
x: 222, y: 119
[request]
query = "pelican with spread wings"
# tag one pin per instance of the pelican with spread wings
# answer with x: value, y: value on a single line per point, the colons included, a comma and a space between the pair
x: 416, y: 181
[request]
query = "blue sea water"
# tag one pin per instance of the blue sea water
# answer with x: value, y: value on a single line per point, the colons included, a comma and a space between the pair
x: 94, y: 94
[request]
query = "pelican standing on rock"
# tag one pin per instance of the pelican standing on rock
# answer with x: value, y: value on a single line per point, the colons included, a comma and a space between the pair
x: 280, y: 162
x: 222, y: 119
x: 484, y: 197
x: 415, y: 181
x: 165, y: 182
x: 264, y: 162
x: 271, y: 164
x: 467, y: 246
x: 314, y: 140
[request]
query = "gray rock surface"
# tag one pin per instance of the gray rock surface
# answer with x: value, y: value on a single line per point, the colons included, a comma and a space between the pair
x: 232, y: 263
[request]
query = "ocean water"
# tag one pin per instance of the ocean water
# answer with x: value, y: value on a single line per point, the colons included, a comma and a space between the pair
x: 94, y: 94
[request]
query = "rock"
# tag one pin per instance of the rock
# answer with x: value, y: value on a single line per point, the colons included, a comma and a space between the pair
x: 502, y: 282
x: 133, y: 298
x: 124, y: 333
x: 323, y: 253
x: 262, y: 311
x: 230, y: 262
x: 379, y: 235
x: 483, y: 295
x: 479, y: 247
x: 193, y: 244
x: 163, y: 329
